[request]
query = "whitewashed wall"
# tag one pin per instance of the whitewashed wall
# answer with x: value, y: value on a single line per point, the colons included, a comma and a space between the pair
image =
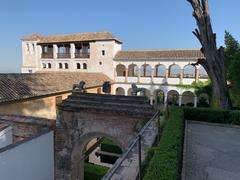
x: 6, y: 137
x: 31, y: 160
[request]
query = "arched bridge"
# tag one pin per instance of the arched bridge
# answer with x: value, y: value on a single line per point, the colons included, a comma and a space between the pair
x: 83, y: 117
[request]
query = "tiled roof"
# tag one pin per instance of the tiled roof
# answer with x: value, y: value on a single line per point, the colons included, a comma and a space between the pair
x: 21, y: 86
x: 88, y: 36
x: 158, y: 54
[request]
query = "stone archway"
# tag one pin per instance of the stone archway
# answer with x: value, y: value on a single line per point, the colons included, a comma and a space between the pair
x: 83, y: 117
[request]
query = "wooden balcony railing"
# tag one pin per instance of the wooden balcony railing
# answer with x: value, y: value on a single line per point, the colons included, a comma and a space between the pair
x: 63, y: 55
x: 47, y: 55
x: 82, y: 55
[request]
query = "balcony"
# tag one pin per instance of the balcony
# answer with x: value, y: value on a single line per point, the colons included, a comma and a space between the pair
x: 63, y: 55
x: 82, y: 55
x: 47, y: 55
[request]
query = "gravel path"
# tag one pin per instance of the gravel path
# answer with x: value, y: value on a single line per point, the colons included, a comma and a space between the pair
x: 212, y: 153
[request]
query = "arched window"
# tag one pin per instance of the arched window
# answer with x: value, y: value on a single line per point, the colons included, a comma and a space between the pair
x: 84, y: 66
x: 121, y: 70
x: 60, y: 66
x: 146, y: 70
x: 132, y: 70
x: 174, y: 71
x: 160, y: 70
x: 202, y: 73
x: 66, y: 65
x: 49, y: 66
x: 44, y: 65
x: 189, y: 71
x: 78, y: 66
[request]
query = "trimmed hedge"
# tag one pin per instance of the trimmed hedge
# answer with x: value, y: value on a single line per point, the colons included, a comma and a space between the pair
x: 212, y: 115
x: 95, y: 172
x: 166, y: 161
x: 109, y: 146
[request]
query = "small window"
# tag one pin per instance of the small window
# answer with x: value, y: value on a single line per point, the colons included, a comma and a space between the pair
x: 66, y: 65
x: 30, y: 71
x: 49, y: 65
x: 28, y: 48
x: 58, y: 100
x: 33, y: 45
x: 84, y: 66
x: 100, y: 63
x: 60, y: 65
x: 78, y: 66
x: 103, y: 52
x: 44, y: 65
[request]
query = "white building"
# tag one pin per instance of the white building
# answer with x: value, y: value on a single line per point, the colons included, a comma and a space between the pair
x: 160, y: 72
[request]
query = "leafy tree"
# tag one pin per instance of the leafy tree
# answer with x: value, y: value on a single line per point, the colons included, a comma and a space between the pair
x: 232, y: 61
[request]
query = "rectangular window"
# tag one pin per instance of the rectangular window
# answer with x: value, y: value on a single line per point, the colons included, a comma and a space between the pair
x: 103, y: 52
x: 58, y: 100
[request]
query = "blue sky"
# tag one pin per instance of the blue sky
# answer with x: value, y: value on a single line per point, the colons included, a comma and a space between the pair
x: 140, y: 24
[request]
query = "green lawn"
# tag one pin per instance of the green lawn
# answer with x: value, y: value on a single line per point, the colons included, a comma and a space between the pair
x: 94, y: 172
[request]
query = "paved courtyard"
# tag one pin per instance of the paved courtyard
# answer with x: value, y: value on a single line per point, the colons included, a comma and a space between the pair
x: 212, y: 153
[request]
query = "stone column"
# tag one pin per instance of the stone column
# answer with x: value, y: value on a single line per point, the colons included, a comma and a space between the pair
x: 151, y: 99
x: 115, y: 73
x: 195, y: 101
x: 139, y: 75
x: 181, y: 76
x: 197, y: 75
x: 165, y: 100
x: 166, y: 75
x: 152, y: 75
x: 180, y: 100
x: 126, y: 75
x: 55, y: 51
x: 72, y: 50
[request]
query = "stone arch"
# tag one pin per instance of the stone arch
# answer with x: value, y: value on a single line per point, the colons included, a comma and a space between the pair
x: 129, y: 92
x: 133, y: 70
x: 203, y: 100
x: 145, y: 93
x: 202, y: 73
x: 121, y: 70
x: 159, y: 96
x: 189, y: 71
x: 188, y: 98
x: 146, y: 70
x: 78, y: 157
x: 120, y: 91
x: 173, y: 97
x: 174, y: 71
x: 160, y: 70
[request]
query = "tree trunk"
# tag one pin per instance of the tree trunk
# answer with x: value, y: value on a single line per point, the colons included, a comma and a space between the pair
x: 214, y: 57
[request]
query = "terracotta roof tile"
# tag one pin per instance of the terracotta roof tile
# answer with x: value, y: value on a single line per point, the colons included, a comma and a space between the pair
x: 88, y: 36
x: 21, y: 86
x: 158, y: 54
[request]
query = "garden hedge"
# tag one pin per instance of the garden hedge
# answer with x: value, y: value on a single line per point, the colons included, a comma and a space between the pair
x: 212, y: 115
x: 166, y: 161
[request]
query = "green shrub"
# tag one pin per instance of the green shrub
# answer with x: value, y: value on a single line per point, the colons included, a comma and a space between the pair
x: 206, y: 114
x: 166, y: 161
x: 234, y: 117
x: 212, y: 115
x: 95, y: 172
